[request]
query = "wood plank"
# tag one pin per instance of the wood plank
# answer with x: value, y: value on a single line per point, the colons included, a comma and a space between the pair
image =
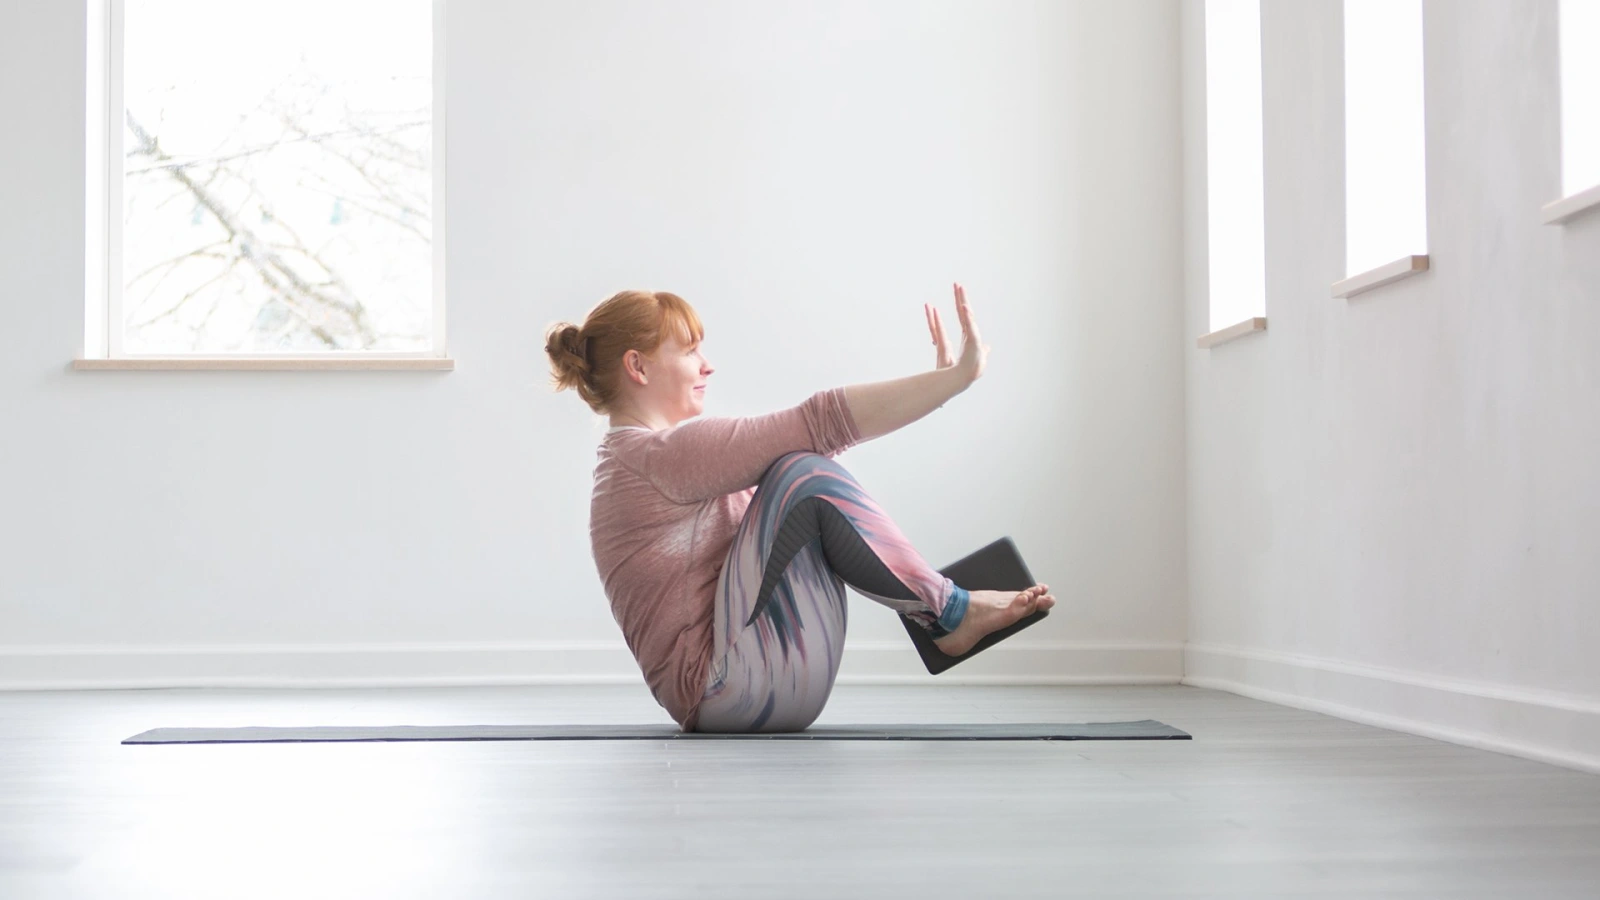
x: 1232, y: 333
x: 1404, y: 267
x: 1569, y: 208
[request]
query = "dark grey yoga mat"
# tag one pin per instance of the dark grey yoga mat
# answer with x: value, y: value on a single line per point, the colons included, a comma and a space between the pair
x: 1145, y: 730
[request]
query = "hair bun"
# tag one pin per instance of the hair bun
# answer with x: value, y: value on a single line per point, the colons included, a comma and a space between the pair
x: 566, y: 346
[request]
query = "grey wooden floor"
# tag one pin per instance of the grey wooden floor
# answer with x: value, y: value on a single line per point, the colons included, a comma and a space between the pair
x: 1265, y: 801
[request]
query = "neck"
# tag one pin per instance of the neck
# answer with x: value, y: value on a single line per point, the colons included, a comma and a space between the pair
x: 654, y: 423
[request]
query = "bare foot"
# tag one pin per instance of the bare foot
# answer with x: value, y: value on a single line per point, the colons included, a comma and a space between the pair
x: 989, y: 611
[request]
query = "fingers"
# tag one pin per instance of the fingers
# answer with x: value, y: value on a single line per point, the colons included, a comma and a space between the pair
x: 965, y: 312
x: 941, y: 346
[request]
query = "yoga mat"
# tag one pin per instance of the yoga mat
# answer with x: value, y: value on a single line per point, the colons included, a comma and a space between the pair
x: 1145, y: 730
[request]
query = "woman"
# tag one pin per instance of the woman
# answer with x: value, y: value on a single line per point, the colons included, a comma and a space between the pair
x: 724, y: 544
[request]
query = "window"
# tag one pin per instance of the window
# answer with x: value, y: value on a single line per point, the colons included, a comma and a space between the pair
x: 1579, y: 23
x: 1386, y: 212
x: 270, y: 179
x: 1234, y: 177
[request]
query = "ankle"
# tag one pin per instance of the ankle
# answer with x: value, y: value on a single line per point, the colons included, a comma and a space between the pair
x: 955, y: 610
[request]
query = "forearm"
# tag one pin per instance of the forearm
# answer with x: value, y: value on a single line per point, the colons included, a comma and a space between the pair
x: 885, y: 406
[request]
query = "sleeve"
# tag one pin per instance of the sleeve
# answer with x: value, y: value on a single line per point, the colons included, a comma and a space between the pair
x: 710, y: 457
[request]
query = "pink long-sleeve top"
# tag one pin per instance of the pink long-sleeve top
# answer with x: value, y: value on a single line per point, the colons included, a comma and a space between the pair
x: 662, y: 517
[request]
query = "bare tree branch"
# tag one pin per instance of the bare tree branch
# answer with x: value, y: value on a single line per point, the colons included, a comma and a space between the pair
x: 243, y: 236
x: 176, y: 162
x: 189, y: 296
x: 380, y: 213
x: 315, y: 295
x: 384, y: 189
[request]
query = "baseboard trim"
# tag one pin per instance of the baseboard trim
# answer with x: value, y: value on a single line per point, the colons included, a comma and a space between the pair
x: 441, y: 664
x: 1549, y: 727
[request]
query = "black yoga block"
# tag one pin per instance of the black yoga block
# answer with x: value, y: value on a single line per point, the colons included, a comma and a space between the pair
x: 996, y: 567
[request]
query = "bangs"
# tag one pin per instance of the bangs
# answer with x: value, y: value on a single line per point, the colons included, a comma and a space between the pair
x: 678, y: 317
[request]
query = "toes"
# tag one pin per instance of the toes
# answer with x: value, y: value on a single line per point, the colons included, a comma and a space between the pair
x: 1030, y: 599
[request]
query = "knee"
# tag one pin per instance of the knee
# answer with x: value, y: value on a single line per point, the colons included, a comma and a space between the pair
x: 805, y: 462
x: 807, y: 459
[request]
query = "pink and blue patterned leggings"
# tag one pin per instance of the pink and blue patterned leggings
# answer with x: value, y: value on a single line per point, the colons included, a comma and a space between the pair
x: 780, y: 604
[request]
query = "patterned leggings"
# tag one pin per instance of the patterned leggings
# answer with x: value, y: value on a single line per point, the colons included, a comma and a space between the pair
x: 780, y: 604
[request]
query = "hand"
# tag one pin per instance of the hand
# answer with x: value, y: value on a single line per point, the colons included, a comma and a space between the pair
x: 974, y: 353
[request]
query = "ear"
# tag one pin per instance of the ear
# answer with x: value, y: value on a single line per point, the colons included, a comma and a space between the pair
x: 633, y: 365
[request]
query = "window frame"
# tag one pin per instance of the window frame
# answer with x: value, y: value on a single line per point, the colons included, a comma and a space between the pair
x: 1219, y: 333
x: 1575, y: 200
x: 103, y: 332
x: 1410, y: 264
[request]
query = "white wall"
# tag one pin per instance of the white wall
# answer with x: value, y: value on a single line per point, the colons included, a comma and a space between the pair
x: 807, y: 174
x: 1394, y: 501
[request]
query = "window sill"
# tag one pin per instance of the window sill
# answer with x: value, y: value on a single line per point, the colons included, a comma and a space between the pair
x: 1404, y: 267
x: 267, y: 364
x: 1559, y: 212
x: 1232, y: 333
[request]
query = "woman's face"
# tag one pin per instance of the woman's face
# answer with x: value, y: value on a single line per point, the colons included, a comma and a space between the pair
x: 675, y: 378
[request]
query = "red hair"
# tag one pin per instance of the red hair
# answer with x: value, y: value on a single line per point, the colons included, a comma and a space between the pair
x: 588, y: 358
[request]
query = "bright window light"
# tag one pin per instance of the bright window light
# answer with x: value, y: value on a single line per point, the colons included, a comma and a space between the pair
x: 1580, y: 95
x: 272, y: 178
x: 1386, y: 212
x: 1235, y: 207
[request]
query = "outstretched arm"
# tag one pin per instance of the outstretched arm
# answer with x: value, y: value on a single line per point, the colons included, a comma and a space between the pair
x: 709, y: 457
x: 705, y: 458
x: 885, y: 406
